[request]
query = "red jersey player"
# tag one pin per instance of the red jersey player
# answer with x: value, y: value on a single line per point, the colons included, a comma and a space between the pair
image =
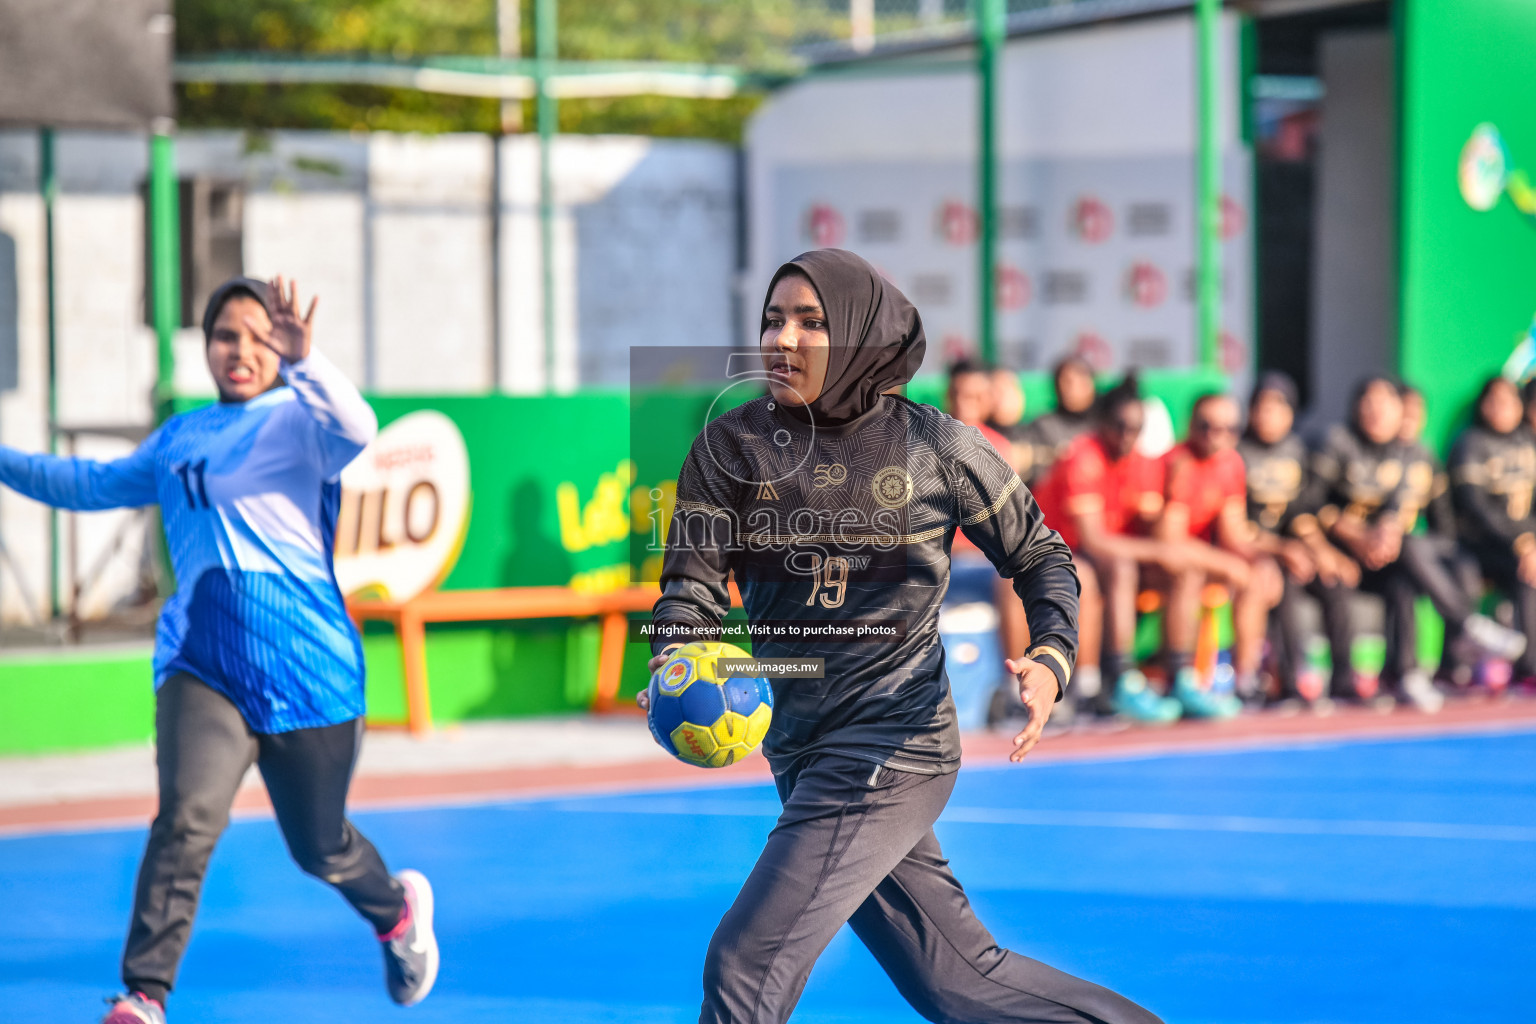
x: 1207, y: 515
x: 1105, y: 498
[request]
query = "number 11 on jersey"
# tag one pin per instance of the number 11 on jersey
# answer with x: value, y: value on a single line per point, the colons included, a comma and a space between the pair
x: 191, y: 474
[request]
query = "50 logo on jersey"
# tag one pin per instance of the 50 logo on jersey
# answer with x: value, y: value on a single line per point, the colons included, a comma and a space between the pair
x: 404, y: 509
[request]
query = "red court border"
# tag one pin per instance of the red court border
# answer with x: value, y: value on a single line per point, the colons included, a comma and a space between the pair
x: 436, y: 789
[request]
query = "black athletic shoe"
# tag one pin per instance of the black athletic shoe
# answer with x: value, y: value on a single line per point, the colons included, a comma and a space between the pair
x: 410, y: 951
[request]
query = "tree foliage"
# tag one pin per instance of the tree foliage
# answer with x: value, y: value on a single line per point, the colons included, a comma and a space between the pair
x: 751, y: 33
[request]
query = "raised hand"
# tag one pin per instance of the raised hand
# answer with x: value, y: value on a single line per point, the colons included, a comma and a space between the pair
x: 289, y: 336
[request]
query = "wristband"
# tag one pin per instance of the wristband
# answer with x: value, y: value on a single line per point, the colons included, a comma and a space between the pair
x: 1056, y: 656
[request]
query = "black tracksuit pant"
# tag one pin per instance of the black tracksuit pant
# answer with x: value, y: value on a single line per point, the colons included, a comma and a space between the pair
x: 855, y: 843
x: 203, y: 749
x: 1398, y: 591
x: 1290, y: 636
x: 1449, y: 576
x: 1501, y: 566
x: 1430, y: 565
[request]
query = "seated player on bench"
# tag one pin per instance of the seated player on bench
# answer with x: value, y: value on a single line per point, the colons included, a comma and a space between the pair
x: 1046, y: 438
x: 1275, y: 457
x: 1206, y: 510
x: 1493, y: 473
x: 1366, y: 506
x: 1104, y: 498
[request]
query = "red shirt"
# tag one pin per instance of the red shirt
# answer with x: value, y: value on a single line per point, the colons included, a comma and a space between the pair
x: 1205, y: 486
x: 1128, y: 492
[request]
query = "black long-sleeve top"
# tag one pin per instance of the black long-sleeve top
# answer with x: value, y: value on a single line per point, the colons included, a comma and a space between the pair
x: 1044, y: 440
x: 1492, y: 478
x: 1277, y: 479
x: 1429, y: 489
x: 1352, y: 476
x: 855, y: 523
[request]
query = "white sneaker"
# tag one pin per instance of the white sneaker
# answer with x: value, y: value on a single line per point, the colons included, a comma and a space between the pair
x: 1492, y: 638
x: 1418, y: 689
x: 410, y: 951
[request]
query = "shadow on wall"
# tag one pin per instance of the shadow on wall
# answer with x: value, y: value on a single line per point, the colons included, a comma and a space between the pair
x: 657, y: 258
x: 10, y: 315
x: 534, y: 663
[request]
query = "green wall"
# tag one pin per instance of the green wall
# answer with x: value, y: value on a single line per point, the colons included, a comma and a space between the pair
x: 1468, y: 278
x: 75, y: 699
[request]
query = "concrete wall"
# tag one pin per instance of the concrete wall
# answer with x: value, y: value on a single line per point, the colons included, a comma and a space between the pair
x: 881, y: 159
x: 395, y: 234
x: 1354, y: 309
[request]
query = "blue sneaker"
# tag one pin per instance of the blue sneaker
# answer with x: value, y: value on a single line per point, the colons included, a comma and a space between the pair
x: 1198, y: 703
x: 1135, y: 700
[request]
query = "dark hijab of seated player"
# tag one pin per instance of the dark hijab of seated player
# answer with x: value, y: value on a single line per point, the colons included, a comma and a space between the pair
x: 836, y: 336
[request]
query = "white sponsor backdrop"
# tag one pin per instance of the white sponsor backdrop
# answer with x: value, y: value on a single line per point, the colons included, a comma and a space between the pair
x: 1096, y: 255
x: 1097, y: 219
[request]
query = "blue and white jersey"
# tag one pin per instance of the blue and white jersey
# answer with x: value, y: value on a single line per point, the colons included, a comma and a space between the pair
x: 248, y: 493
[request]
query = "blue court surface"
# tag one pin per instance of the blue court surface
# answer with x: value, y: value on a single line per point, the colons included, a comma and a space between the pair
x: 1360, y: 882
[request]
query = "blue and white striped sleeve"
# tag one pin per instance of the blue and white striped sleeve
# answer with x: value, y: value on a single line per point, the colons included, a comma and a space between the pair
x: 83, y: 485
x: 343, y: 421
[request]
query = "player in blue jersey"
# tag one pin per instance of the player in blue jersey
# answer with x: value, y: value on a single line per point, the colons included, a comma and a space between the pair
x: 255, y: 658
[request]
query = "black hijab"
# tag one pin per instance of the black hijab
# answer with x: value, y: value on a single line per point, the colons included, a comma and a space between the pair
x: 876, y: 333
x: 1478, y: 419
x: 1358, y: 395
x: 247, y: 286
x: 1279, y: 383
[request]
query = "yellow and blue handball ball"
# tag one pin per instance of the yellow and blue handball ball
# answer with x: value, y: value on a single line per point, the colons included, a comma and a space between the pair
x: 700, y: 716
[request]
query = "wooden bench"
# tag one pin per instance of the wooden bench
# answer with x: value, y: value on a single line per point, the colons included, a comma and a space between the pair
x: 410, y: 618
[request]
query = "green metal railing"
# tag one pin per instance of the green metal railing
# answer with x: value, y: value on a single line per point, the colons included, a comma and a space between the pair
x: 1208, y: 182
x: 547, y: 79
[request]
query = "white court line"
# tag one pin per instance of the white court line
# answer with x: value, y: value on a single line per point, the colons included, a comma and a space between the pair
x: 1117, y: 819
x: 1239, y: 823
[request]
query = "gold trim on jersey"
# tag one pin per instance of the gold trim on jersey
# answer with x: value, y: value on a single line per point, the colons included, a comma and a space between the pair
x: 780, y: 539
x: 699, y: 506
x: 996, y: 506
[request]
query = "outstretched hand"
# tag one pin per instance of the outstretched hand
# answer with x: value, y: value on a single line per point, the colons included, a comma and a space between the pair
x: 1037, y: 689
x: 290, y: 335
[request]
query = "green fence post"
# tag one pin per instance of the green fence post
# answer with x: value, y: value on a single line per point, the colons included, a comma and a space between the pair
x: 165, y: 298
x: 545, y: 25
x: 991, y: 27
x: 1208, y: 181
x: 164, y: 266
x: 48, y: 185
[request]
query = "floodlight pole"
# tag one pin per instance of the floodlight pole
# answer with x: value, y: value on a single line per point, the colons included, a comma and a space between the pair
x: 1208, y: 182
x: 991, y: 27
x: 48, y: 185
x: 548, y: 116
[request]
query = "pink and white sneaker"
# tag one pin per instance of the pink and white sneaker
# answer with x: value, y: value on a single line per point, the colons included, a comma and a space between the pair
x: 134, y: 1008
x: 410, y: 948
